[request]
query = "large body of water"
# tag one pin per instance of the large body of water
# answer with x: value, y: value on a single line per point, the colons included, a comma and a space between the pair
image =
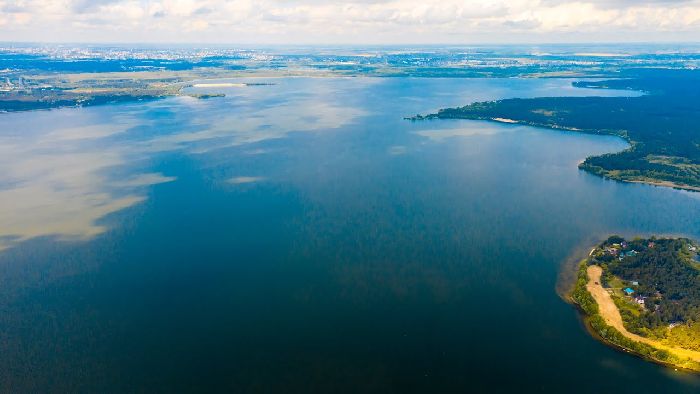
x: 303, y: 237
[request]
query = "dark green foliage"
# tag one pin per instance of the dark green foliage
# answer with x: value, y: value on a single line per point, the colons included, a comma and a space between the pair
x: 581, y: 296
x: 666, y: 276
x: 614, y: 239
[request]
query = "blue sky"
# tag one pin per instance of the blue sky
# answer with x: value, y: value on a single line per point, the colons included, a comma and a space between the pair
x: 349, y: 21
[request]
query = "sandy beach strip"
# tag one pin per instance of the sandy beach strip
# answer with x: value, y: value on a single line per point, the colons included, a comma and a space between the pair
x: 504, y: 120
x: 219, y: 85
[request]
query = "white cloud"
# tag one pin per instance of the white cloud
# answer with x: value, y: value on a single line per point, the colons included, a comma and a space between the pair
x: 293, y: 21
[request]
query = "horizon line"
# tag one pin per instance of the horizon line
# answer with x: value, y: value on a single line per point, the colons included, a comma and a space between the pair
x: 348, y: 44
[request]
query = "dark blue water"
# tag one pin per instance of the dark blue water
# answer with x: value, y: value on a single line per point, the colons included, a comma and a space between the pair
x: 303, y: 237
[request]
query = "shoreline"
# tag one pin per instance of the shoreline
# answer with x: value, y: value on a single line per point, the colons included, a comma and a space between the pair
x: 664, y: 184
x: 657, y: 183
x: 609, y: 333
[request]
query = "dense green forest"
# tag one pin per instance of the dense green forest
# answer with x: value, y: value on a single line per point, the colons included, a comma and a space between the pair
x: 662, y: 272
x: 662, y: 126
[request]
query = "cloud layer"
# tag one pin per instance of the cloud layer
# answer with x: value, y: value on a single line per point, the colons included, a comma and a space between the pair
x: 348, y: 21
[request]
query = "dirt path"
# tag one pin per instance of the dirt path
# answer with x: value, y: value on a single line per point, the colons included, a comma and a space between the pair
x: 611, y: 315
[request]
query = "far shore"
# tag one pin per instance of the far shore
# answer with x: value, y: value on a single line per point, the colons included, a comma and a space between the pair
x: 219, y: 85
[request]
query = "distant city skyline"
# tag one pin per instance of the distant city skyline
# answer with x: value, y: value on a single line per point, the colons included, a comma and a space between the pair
x: 349, y: 22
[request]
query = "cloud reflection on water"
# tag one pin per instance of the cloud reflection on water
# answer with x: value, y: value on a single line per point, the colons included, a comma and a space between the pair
x: 475, y: 128
x: 64, y: 170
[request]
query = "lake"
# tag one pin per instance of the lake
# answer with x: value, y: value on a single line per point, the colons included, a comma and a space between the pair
x: 303, y: 237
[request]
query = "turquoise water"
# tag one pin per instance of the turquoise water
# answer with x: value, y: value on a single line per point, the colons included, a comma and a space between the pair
x: 303, y: 237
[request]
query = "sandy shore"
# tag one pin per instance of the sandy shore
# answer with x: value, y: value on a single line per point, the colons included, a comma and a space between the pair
x: 219, y: 85
x: 611, y: 315
x: 667, y: 184
x: 504, y: 120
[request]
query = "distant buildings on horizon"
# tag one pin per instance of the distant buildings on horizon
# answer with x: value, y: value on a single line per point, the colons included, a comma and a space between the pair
x: 9, y: 85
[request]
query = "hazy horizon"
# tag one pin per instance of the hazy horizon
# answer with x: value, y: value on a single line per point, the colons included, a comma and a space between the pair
x: 441, y: 45
x: 358, y: 22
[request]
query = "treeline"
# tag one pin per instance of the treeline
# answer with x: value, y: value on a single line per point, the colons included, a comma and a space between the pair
x: 580, y: 295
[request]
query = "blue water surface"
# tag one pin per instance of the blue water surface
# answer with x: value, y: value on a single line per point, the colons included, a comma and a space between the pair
x: 301, y: 236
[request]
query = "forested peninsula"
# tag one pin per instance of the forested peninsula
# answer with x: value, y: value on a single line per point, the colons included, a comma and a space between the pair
x: 643, y: 296
x: 662, y: 126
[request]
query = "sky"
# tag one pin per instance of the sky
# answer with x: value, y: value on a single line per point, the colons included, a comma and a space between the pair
x: 349, y: 21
